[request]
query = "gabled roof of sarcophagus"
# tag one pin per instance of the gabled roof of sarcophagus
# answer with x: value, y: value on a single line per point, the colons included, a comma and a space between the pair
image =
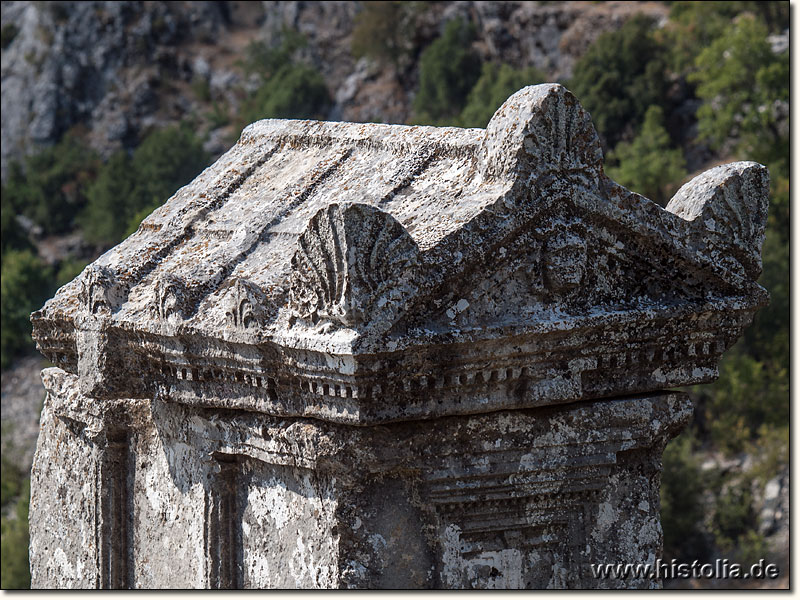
x: 317, y: 267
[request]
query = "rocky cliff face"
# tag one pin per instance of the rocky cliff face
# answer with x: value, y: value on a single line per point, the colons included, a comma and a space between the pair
x: 117, y: 69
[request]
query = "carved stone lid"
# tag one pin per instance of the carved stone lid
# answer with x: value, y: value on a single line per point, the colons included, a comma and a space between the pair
x: 364, y: 273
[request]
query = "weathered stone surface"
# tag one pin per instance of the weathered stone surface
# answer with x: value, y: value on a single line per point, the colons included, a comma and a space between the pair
x: 510, y: 499
x: 349, y: 355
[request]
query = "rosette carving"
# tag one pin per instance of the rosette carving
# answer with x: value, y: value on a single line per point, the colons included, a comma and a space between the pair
x: 354, y: 264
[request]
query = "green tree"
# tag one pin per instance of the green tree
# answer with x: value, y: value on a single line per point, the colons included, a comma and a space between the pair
x: 620, y: 75
x: 289, y: 89
x: 733, y: 516
x: 264, y: 60
x: 10, y: 482
x: 25, y: 286
x: 744, y: 85
x: 295, y: 91
x: 648, y: 165
x: 12, y: 237
x: 15, y: 569
x: 448, y: 70
x: 110, y: 200
x: 495, y: 85
x: 166, y: 160
x: 127, y: 187
x: 50, y: 188
x: 694, y: 26
x: 682, y: 488
x: 749, y: 393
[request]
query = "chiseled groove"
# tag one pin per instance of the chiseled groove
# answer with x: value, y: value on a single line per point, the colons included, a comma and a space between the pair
x: 208, y: 288
x: 420, y: 163
x: 216, y: 203
x: 337, y: 225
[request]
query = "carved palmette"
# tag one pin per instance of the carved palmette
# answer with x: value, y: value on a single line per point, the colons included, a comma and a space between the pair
x: 170, y: 300
x: 542, y: 131
x: 726, y: 212
x: 247, y: 306
x: 100, y: 292
x: 350, y: 265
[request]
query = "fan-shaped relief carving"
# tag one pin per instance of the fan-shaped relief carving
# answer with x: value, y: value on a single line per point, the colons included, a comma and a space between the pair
x: 543, y: 129
x: 352, y: 262
x: 171, y: 301
x: 247, y: 306
x: 101, y: 292
x: 727, y: 208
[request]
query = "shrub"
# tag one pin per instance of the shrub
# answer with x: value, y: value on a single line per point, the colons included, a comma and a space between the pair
x: 385, y: 31
x: 682, y: 488
x: 25, y: 286
x: 50, y: 189
x: 15, y: 572
x: 648, y: 165
x: 620, y: 76
x: 127, y: 187
x: 495, y: 85
x: 448, y: 70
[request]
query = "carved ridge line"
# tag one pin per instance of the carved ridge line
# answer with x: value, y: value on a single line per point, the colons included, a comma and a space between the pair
x: 468, y: 149
x: 210, y: 286
x: 557, y: 499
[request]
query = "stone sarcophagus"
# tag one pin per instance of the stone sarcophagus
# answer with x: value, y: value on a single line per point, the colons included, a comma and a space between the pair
x: 381, y: 356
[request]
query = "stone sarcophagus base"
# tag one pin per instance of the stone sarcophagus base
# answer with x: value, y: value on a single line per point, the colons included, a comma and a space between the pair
x: 155, y: 494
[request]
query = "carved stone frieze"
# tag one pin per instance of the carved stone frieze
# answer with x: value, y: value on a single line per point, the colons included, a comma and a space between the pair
x: 101, y: 293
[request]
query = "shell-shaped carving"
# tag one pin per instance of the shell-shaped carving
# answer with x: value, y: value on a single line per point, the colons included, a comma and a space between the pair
x: 247, y: 306
x: 728, y: 207
x: 100, y: 292
x: 170, y: 301
x: 350, y: 265
x: 542, y: 129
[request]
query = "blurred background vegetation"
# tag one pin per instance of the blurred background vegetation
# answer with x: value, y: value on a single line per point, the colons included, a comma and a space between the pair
x: 719, y: 51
